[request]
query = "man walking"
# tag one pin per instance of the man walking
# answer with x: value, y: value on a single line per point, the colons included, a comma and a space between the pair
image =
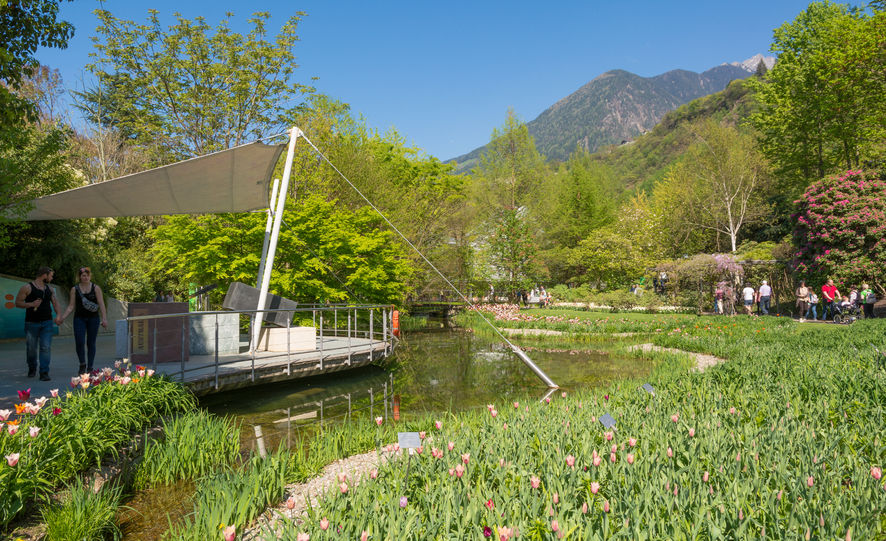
x: 765, y: 293
x: 37, y: 300
x: 830, y: 292
x: 748, y: 295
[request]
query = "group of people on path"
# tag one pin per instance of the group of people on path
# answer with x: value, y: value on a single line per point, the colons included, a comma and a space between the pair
x: 833, y: 302
x: 37, y: 299
x: 761, y: 296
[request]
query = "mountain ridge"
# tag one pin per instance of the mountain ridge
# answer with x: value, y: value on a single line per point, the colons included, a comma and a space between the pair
x: 618, y: 105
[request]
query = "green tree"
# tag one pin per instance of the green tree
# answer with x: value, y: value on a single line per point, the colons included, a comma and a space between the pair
x: 720, y: 185
x: 822, y: 108
x: 324, y: 253
x: 191, y: 89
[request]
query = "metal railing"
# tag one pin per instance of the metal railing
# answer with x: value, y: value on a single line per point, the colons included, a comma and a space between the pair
x: 351, y: 329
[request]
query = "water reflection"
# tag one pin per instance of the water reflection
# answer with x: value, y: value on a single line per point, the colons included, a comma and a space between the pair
x: 432, y: 371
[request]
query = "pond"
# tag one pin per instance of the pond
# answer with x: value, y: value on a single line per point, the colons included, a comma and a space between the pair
x: 434, y: 370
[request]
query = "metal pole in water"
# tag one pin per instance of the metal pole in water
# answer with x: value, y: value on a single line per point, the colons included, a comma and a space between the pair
x: 260, y: 441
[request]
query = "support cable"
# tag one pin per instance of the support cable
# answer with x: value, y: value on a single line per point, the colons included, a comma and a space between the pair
x: 519, y: 352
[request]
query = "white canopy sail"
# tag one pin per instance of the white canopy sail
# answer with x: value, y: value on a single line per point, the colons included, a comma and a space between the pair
x: 233, y: 180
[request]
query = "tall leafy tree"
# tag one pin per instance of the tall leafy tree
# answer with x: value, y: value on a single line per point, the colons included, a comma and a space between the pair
x: 822, y: 108
x: 192, y: 89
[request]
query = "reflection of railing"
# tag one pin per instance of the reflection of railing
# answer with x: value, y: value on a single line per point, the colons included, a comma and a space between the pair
x: 213, y: 337
x: 315, y: 412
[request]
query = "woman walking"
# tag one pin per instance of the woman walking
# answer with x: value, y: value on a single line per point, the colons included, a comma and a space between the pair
x: 802, y: 300
x: 87, y: 303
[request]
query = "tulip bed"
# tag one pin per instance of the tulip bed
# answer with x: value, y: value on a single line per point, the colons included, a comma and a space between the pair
x: 786, y: 440
x: 48, y: 441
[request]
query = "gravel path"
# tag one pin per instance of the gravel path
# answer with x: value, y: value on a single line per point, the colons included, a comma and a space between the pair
x: 702, y: 360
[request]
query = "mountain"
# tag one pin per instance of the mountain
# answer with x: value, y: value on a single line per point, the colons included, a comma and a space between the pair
x: 618, y: 106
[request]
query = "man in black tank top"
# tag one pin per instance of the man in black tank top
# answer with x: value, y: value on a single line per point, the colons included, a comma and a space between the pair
x: 37, y: 299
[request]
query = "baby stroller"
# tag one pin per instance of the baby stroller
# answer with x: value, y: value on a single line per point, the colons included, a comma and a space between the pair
x: 846, y: 314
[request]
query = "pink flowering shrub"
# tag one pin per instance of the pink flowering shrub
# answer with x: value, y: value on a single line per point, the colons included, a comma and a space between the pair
x: 840, y: 231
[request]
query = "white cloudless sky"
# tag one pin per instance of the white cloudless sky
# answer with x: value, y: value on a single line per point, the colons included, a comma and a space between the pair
x: 443, y: 74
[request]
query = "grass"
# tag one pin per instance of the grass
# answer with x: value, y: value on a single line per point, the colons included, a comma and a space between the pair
x: 84, y: 514
x: 784, y: 440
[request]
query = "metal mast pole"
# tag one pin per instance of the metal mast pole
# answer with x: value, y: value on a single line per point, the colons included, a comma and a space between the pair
x: 268, y: 225
x: 294, y: 133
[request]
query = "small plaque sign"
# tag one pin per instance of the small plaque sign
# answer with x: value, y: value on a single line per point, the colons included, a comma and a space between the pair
x: 607, y: 420
x: 649, y: 389
x: 408, y: 440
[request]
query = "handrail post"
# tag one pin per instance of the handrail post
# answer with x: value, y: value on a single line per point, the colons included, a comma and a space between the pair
x: 371, y: 313
x: 155, y: 346
x: 183, y: 353
x: 288, y: 345
x: 128, y: 341
x: 216, y: 351
x: 384, y: 328
x: 335, y: 321
x: 321, y: 339
x: 349, y: 337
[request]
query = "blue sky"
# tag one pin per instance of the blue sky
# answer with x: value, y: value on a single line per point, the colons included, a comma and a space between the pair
x: 444, y: 73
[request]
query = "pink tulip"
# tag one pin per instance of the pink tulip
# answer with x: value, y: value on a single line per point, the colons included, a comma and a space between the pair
x: 876, y: 473
x: 505, y: 426
x: 12, y: 429
x: 451, y: 445
x: 373, y: 473
x: 570, y: 461
x: 675, y: 417
x: 302, y: 536
x: 438, y: 425
x: 608, y: 436
x: 584, y: 508
x: 421, y: 435
x: 56, y: 411
x: 490, y: 407
x: 670, y: 453
x: 324, y: 524
x: 612, y: 457
x: 810, y: 481
x: 34, y: 430
x: 494, y: 413
x: 596, y: 461
x: 691, y: 432
x: 24, y: 395
x: 605, y: 506
x: 504, y: 534
x: 595, y: 487
x: 404, y: 501
x: 75, y: 381
x: 364, y: 536
x: 4, y: 415
x: 342, y: 477
x: 12, y: 459
x: 451, y: 472
x: 563, y: 394
x: 555, y: 526
x: 732, y: 411
x: 459, y: 471
x: 738, y: 457
x: 54, y: 393
x: 489, y: 504
x: 420, y: 449
x: 516, y: 405
x: 466, y: 458
x: 343, y: 487
x: 534, y: 481
x: 548, y: 400
x: 230, y: 533
x: 630, y: 458
x: 706, y: 476
x: 379, y: 420
x: 290, y: 503
x: 556, y: 498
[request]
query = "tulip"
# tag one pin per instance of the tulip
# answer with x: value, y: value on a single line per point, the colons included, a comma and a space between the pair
x: 584, y: 508
x: 487, y: 531
x: 732, y: 410
x: 489, y: 504
x: 570, y: 461
x: 706, y: 476
x: 403, y: 502
x: 675, y: 417
x: 810, y: 481
x: 4, y: 415
x: 34, y: 430
x: 630, y: 458
x: 373, y: 473
x: 421, y: 435
x: 466, y: 458
x: 608, y: 436
x: 343, y: 487
x: 324, y: 524
x: 290, y: 503
x: 595, y: 487
x: 670, y: 453
x: 12, y: 459
x: 612, y: 457
x: 534, y: 481
x: 555, y: 526
x: 24, y: 395
x: 563, y: 394
x: 56, y: 411
x: 516, y: 405
x: 596, y: 461
x: 379, y: 420
x: 364, y: 536
x: 691, y: 432
x: 556, y: 498
x: 504, y: 534
x: 450, y: 445
x: 605, y: 506
x: 438, y: 425
x: 451, y: 472
x: 302, y: 536
x: 230, y: 533
x: 494, y: 413
x: 12, y: 429
x: 149, y: 372
x: 876, y: 473
x: 54, y: 393
x: 342, y: 477
x: 459, y: 471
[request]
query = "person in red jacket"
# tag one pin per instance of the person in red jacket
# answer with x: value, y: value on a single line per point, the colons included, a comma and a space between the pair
x: 829, y: 293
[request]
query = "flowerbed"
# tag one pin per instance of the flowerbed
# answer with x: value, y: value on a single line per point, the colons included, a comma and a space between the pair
x: 785, y: 441
x: 48, y: 440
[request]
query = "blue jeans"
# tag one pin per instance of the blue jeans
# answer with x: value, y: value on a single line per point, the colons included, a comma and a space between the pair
x: 828, y: 311
x: 39, y: 335
x: 812, y: 310
x: 85, y: 331
x: 764, y: 305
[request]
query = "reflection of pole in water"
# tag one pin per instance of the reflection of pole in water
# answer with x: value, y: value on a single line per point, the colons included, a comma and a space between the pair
x: 396, y: 407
